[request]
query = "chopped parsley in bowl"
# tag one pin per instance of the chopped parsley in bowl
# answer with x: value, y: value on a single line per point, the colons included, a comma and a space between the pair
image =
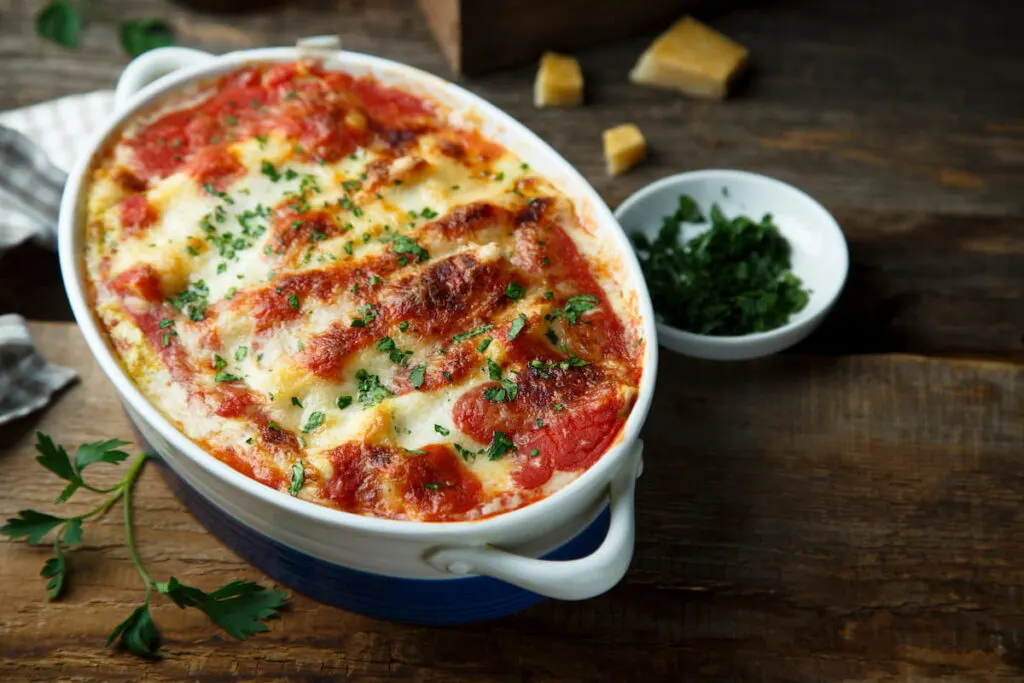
x: 738, y: 265
x: 732, y: 279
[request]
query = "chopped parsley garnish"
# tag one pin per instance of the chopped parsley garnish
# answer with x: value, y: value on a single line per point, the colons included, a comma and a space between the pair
x: 268, y: 169
x: 298, y: 478
x: 428, y: 213
x: 371, y: 391
x: 351, y: 185
x: 468, y: 335
x: 576, y: 306
x: 404, y: 325
x: 314, y: 420
x: 733, y: 279
x: 192, y: 301
x: 348, y: 248
x: 226, y: 377
x: 375, y: 280
x: 573, y: 361
x: 443, y: 431
x: 241, y: 352
x: 415, y: 451
x: 559, y: 407
x: 482, y: 346
x: 467, y: 455
x: 403, y: 244
x: 397, y: 355
x: 417, y: 376
x: 293, y: 300
x: 534, y: 452
x: 219, y: 363
x: 296, y: 402
x: 191, y: 251
x: 507, y: 391
x: 517, y: 326
x: 500, y: 445
x: 515, y: 291
x: 369, y: 315
x: 344, y: 402
x: 549, y: 295
x: 165, y: 323
x: 432, y: 485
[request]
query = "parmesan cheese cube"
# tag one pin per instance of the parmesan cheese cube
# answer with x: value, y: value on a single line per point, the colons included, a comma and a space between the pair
x: 559, y: 82
x: 624, y: 148
x: 691, y: 58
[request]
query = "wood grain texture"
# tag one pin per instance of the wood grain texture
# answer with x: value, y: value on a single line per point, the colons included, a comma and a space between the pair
x: 904, y: 118
x: 799, y: 519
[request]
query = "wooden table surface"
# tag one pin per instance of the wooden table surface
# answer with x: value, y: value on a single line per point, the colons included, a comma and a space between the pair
x: 848, y: 511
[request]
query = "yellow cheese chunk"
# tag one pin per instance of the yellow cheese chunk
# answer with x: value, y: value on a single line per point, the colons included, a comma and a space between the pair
x: 691, y: 58
x: 559, y: 82
x: 624, y: 148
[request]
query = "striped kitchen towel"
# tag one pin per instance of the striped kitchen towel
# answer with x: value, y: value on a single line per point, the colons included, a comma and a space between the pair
x: 38, y: 145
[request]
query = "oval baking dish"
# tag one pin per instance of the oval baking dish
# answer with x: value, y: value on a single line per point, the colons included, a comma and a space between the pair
x: 573, y: 543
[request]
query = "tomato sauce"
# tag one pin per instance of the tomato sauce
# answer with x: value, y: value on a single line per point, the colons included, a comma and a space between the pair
x: 329, y: 114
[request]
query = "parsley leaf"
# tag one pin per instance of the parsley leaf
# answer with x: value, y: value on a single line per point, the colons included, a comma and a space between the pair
x: 417, y: 376
x: 314, y: 420
x: 298, y: 478
x: 268, y: 169
x: 344, y: 402
x: 61, y: 23
x: 238, y: 607
x: 142, y: 35
x: 371, y: 391
x: 403, y: 244
x: 515, y: 291
x: 517, y: 326
x: 576, y: 306
x: 443, y: 431
x: 31, y: 525
x: 226, y: 377
x: 54, y: 569
x: 500, y: 445
x: 138, y: 633
x: 468, y: 335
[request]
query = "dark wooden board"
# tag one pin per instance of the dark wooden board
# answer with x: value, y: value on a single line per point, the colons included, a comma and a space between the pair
x: 478, y: 36
x: 799, y: 519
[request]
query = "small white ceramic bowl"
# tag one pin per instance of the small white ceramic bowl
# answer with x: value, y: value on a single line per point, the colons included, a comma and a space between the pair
x: 819, y: 258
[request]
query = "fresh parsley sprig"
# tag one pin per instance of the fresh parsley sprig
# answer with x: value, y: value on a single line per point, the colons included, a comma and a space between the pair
x: 239, y: 607
x: 62, y: 22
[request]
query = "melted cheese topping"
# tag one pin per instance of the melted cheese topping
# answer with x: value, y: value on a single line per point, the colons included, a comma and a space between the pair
x: 334, y: 288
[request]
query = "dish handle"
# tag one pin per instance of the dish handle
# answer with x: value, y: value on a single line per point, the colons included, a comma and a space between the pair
x: 151, y: 66
x: 579, y: 579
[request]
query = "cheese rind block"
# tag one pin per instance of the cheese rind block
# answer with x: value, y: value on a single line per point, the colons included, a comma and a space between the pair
x: 624, y: 148
x: 691, y: 58
x: 559, y: 82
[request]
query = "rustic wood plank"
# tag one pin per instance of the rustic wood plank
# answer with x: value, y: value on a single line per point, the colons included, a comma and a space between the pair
x: 800, y: 518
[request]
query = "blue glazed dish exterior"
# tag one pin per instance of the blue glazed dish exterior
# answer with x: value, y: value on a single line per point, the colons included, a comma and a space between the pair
x: 434, y: 602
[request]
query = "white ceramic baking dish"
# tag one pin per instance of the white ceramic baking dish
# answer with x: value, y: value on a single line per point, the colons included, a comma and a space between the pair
x: 575, y: 544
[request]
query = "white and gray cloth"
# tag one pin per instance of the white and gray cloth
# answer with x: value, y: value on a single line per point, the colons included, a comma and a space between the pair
x: 38, y: 145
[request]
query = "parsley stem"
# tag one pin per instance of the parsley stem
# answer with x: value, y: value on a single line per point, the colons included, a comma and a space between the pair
x: 129, y: 534
x: 107, y: 504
